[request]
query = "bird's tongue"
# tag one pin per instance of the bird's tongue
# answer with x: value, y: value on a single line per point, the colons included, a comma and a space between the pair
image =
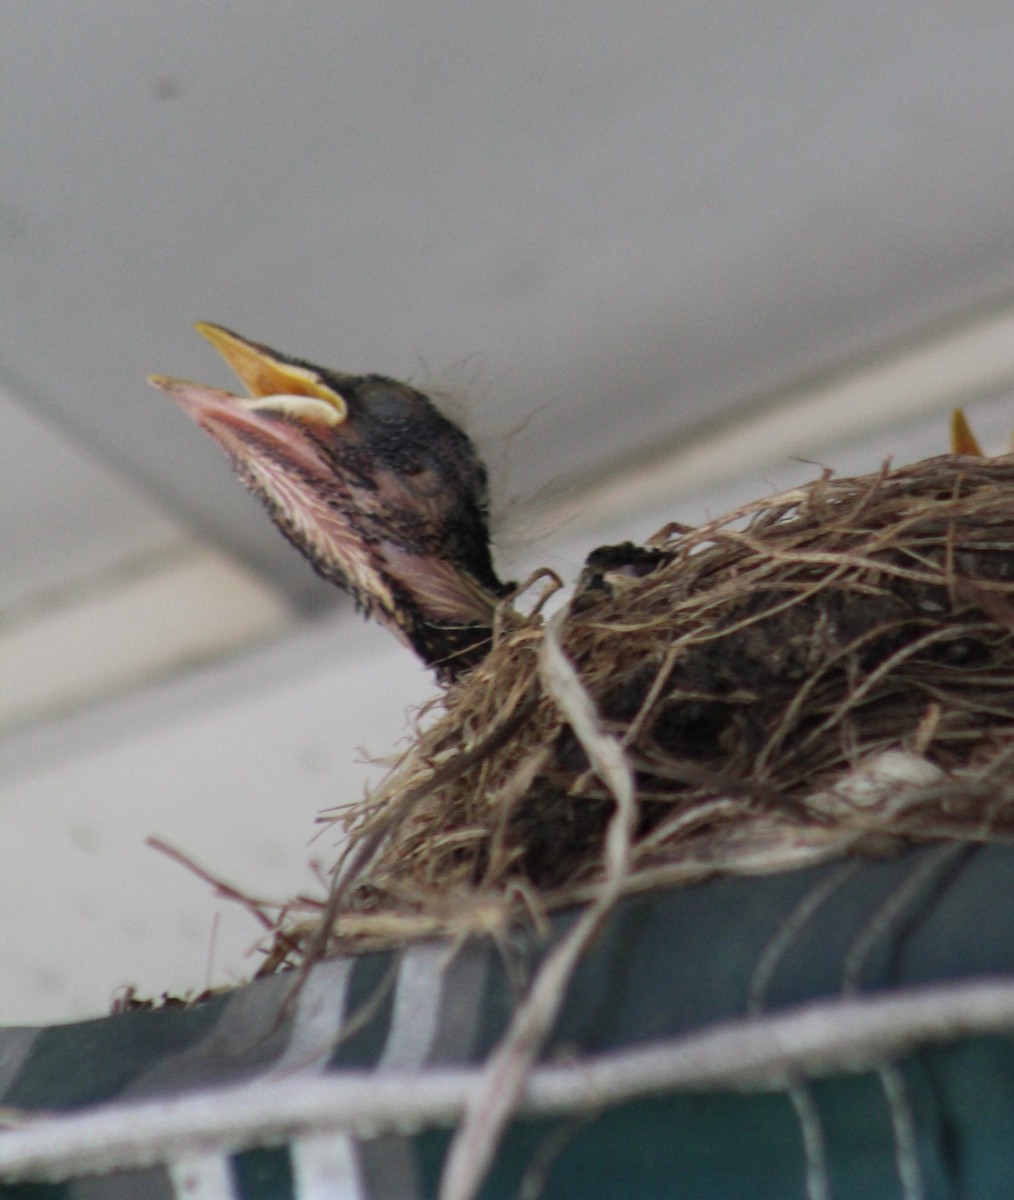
x: 237, y: 427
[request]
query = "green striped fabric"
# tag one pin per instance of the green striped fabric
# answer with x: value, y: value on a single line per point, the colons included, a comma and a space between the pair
x: 657, y: 1081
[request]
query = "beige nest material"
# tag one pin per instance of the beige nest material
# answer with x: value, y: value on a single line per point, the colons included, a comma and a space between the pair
x: 831, y: 668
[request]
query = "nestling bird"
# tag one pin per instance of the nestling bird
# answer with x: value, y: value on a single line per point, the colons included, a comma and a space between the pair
x: 381, y: 492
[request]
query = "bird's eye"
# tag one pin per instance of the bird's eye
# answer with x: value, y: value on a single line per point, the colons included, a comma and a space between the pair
x: 388, y: 404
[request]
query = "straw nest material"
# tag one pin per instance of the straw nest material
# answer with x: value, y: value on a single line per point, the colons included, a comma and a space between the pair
x: 828, y: 669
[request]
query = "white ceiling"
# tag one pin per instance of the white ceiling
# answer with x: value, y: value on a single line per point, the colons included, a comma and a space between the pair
x: 603, y: 229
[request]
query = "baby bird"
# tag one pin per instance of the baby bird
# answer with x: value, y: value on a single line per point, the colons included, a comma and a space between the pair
x: 382, y: 493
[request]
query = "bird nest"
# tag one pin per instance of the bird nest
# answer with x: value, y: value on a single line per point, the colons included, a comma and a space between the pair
x: 827, y: 670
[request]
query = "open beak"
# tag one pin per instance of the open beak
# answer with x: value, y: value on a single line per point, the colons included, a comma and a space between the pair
x: 276, y: 385
x: 264, y: 372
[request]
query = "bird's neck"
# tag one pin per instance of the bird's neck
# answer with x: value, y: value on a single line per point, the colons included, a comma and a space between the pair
x: 451, y: 650
x: 439, y: 608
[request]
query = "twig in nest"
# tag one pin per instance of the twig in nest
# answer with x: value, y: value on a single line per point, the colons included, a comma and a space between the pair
x: 256, y: 908
x: 284, y: 944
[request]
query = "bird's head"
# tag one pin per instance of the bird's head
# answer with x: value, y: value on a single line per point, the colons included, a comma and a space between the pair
x: 383, y: 494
